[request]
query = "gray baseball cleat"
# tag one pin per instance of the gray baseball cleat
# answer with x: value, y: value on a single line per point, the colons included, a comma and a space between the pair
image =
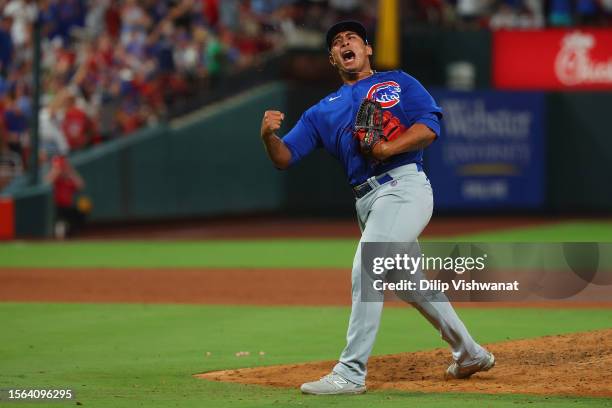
x: 332, y: 384
x: 455, y: 371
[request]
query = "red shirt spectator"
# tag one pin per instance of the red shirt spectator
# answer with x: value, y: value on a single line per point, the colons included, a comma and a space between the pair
x: 77, y: 128
x: 112, y: 18
x: 129, y: 121
x: 210, y: 9
x: 66, y: 182
x: 64, y: 190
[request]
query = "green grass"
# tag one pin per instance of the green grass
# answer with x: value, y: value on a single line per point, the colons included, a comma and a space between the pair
x: 301, y: 253
x: 144, y: 355
x: 118, y: 254
x: 586, y: 231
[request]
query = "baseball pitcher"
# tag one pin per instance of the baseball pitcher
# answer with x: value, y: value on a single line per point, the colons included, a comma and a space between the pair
x: 377, y: 125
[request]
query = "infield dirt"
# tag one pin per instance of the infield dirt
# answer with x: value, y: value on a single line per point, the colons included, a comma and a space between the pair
x: 577, y: 364
x: 224, y: 286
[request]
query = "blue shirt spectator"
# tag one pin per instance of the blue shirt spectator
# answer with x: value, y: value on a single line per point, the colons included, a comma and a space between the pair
x: 15, y: 121
x: 6, y: 48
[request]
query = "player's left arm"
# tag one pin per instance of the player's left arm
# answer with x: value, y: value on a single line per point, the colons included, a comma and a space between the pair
x: 416, y: 137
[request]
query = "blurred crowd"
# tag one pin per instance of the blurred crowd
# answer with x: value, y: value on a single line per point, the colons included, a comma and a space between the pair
x: 511, y: 14
x: 110, y: 67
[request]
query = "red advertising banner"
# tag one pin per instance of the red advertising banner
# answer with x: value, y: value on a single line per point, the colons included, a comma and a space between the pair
x: 553, y: 59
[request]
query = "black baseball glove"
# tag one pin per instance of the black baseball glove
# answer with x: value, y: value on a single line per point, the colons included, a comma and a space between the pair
x: 369, y: 125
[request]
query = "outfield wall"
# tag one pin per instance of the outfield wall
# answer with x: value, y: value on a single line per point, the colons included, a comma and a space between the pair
x: 208, y: 163
x: 579, y: 143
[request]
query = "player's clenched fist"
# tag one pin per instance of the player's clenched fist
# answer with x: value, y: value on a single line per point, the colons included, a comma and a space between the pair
x: 271, y: 122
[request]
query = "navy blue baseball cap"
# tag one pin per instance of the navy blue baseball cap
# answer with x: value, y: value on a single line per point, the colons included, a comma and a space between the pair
x: 354, y: 26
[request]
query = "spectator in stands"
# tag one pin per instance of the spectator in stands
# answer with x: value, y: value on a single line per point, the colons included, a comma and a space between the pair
x: 130, y: 115
x: 211, y: 53
x: 22, y: 13
x: 10, y: 162
x: 16, y: 127
x: 534, y: 12
x: 22, y: 98
x: 504, y: 17
x: 112, y: 19
x: 76, y: 126
x: 210, y: 12
x: 52, y: 140
x: 517, y: 14
x: 134, y: 22
x: 587, y: 12
x: 6, y: 46
x: 228, y: 14
x: 435, y: 12
x: 187, y: 53
x: 470, y: 12
x: 70, y: 210
x: 68, y: 14
x: 95, y: 17
x: 560, y: 13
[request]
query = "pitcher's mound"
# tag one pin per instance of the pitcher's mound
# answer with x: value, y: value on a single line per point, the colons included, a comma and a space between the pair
x: 572, y: 364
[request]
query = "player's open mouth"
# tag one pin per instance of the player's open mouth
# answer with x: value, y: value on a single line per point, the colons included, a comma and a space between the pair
x: 348, y: 56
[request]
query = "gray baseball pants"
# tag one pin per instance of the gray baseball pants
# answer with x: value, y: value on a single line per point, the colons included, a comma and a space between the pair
x: 397, y: 211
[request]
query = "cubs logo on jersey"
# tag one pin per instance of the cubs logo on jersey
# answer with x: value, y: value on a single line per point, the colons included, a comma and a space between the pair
x: 387, y: 93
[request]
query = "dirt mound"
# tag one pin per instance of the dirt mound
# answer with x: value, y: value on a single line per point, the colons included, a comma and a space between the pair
x: 577, y: 364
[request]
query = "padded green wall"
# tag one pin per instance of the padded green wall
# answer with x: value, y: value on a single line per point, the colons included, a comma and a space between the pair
x: 209, y: 163
x: 579, y: 143
x: 34, y: 212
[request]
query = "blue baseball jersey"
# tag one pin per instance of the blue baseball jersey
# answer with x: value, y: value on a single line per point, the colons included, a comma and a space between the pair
x: 329, y: 123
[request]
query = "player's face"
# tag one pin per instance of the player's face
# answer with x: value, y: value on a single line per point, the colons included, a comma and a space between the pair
x: 350, y: 53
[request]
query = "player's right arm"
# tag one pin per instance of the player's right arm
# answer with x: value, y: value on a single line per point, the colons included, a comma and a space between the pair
x: 277, y: 151
x: 302, y: 139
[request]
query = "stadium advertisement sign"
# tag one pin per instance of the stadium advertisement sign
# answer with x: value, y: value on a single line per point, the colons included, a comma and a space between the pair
x: 553, y: 59
x: 491, y: 151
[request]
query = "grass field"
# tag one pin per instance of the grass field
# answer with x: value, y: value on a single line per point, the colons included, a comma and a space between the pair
x: 132, y: 355
x: 129, y: 355
x: 280, y: 253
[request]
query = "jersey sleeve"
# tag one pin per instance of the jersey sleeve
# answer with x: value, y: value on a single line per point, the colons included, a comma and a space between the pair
x: 304, y: 137
x: 431, y: 120
x: 418, y: 105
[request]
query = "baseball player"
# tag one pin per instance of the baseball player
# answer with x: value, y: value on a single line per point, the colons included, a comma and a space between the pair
x: 394, y: 200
